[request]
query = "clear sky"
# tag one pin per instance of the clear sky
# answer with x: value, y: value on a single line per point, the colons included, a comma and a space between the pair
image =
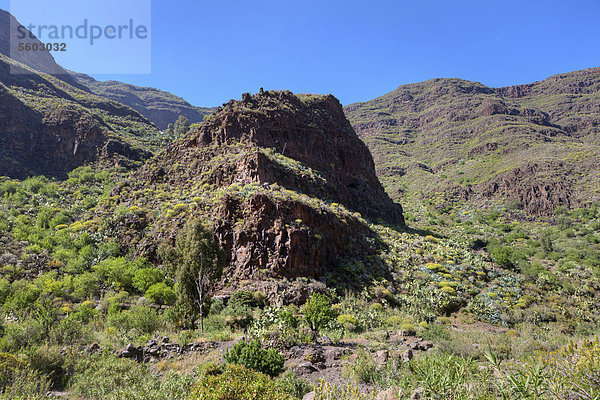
x: 210, y: 51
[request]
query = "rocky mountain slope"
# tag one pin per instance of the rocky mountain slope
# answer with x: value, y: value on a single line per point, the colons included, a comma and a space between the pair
x: 41, y: 61
x: 160, y: 107
x: 535, y: 146
x: 286, y: 182
x: 48, y: 127
x: 51, y: 124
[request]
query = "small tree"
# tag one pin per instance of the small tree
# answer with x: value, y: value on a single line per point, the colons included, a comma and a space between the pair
x: 199, y: 262
x: 182, y: 126
x: 169, y: 131
x: 318, y: 312
x: 161, y: 294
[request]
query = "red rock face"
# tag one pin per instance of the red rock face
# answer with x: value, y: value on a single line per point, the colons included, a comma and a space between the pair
x: 286, y: 238
x: 31, y: 144
x: 269, y: 233
x: 537, y: 196
x: 313, y: 131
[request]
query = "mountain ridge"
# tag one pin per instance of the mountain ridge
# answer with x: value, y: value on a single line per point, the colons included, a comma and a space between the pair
x: 159, y: 106
x: 272, y: 173
x: 49, y: 127
x: 532, y: 145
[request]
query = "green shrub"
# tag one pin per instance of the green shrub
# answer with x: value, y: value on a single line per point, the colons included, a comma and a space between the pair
x: 363, y: 370
x: 444, y: 376
x: 23, y: 334
x: 48, y: 362
x: 81, y: 175
x: 61, y: 218
x: 327, y: 391
x: 318, y: 312
x: 246, y: 298
x: 349, y: 322
x: 394, y: 321
x: 119, y: 272
x: 143, y: 319
x: 9, y: 365
x: 34, y: 184
x: 85, y: 286
x: 18, y: 381
x: 8, y: 188
x: 85, y: 312
x: 108, y: 249
x: 293, y: 385
x: 146, y: 277
x: 161, y: 294
x: 408, y: 328
x: 504, y: 256
x: 111, y: 378
x: 70, y: 331
x: 252, y: 355
x: 279, y: 324
x: 239, y: 383
x: 238, y: 316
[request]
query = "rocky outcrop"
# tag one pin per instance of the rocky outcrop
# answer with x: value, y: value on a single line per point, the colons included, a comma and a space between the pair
x: 288, y: 238
x: 312, y: 130
x: 287, y: 185
x: 537, y: 196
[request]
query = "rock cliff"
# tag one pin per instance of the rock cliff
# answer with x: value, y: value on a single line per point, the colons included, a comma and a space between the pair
x: 286, y: 183
x: 48, y: 127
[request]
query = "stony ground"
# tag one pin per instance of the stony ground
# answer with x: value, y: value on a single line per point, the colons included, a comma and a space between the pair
x: 323, y: 360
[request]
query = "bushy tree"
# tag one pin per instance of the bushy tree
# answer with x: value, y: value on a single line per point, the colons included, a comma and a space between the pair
x: 161, y: 294
x: 240, y: 383
x: 170, y: 130
x: 318, y: 312
x: 198, y: 263
x: 146, y: 277
x: 182, y: 126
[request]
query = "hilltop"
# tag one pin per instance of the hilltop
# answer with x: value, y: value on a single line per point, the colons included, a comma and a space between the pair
x: 285, y: 180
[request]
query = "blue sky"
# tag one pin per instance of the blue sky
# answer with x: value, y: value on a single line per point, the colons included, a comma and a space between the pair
x: 210, y: 51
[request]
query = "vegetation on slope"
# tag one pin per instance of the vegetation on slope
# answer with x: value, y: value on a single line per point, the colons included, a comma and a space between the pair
x: 463, y: 140
x: 51, y: 127
x: 67, y: 280
x: 160, y: 107
x: 510, y: 303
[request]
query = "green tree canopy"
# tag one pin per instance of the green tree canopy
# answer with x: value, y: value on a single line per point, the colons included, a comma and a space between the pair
x: 198, y: 263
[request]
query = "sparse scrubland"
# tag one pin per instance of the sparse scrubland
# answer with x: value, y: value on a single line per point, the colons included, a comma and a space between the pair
x: 510, y: 306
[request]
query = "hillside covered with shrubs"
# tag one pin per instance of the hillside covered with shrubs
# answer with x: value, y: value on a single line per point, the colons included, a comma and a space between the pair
x: 491, y: 292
